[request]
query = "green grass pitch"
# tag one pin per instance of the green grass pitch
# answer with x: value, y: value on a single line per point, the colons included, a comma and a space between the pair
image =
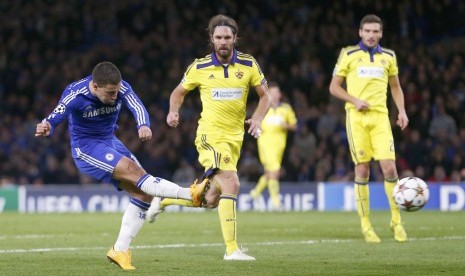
x: 295, y: 243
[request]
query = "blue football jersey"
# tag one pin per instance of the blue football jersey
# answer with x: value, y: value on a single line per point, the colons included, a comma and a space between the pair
x: 88, y: 117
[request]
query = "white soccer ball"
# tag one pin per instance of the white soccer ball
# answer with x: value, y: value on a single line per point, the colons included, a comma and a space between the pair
x: 411, y: 194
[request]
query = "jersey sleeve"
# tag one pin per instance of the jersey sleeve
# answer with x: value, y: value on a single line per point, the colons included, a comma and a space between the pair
x: 258, y: 78
x: 189, y: 81
x: 136, y: 106
x: 62, y: 109
x: 393, y: 69
x: 341, y: 67
x: 291, y: 119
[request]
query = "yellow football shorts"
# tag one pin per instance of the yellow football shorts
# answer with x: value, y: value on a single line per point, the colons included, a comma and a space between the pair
x: 370, y: 136
x: 217, y: 152
x: 271, y: 153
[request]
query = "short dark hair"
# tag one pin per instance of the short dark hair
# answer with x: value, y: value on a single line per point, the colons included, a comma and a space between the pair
x: 371, y: 18
x: 106, y: 73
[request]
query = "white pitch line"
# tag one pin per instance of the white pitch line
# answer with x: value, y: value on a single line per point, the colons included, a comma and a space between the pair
x: 184, y: 245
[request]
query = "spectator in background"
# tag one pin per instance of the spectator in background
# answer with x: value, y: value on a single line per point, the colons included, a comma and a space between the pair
x: 35, y: 54
x: 439, y: 175
x: 442, y: 125
x: 415, y: 150
x: 184, y: 173
x: 327, y: 122
x: 305, y: 142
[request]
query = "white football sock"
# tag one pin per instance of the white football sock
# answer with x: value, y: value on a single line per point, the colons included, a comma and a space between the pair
x: 133, y: 219
x: 160, y: 187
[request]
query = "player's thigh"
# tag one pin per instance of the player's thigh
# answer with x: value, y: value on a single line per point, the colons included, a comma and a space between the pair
x: 358, y: 136
x: 271, y: 155
x: 272, y: 161
x: 217, y: 152
x: 99, y: 159
x: 381, y: 138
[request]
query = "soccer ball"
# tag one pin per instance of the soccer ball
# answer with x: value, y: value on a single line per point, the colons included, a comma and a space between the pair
x: 411, y: 194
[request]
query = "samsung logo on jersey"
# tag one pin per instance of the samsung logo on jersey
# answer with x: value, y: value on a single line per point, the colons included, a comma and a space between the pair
x: 225, y: 94
x: 101, y: 111
x: 370, y: 72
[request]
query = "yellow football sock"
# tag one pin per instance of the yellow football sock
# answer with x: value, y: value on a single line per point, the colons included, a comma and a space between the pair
x: 273, y: 188
x: 389, y: 185
x: 227, y: 214
x: 171, y: 201
x: 362, y: 199
x: 261, y: 185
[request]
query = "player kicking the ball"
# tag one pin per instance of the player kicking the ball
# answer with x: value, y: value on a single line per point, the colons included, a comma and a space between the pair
x: 92, y: 106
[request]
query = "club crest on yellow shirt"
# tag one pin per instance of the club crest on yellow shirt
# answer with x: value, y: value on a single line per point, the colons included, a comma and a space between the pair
x: 239, y: 74
x: 226, y: 160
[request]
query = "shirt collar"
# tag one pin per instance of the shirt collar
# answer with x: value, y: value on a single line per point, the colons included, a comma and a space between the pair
x: 216, y: 62
x: 377, y: 49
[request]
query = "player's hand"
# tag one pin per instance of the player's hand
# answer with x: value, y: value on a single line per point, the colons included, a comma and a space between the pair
x: 254, y: 128
x: 172, y: 119
x: 361, y: 105
x: 145, y: 133
x: 402, y: 120
x: 43, y: 129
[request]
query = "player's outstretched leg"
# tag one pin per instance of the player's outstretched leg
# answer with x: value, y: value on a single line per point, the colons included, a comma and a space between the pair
x: 197, y: 191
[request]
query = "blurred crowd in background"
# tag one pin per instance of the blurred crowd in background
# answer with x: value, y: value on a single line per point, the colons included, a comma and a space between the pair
x: 44, y: 45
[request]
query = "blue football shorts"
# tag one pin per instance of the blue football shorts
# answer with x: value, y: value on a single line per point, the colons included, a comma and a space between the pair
x: 98, y: 158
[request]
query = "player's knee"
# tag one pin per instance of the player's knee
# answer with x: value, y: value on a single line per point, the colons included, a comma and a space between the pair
x: 362, y: 170
x: 128, y: 171
x: 389, y: 170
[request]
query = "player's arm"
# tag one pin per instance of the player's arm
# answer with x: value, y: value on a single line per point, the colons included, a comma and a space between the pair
x: 47, y: 126
x: 176, y: 100
x: 336, y: 89
x: 43, y: 129
x: 291, y: 121
x: 398, y: 96
x: 263, y: 106
x: 138, y: 110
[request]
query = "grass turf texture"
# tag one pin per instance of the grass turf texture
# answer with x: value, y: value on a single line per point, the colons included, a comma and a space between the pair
x: 305, y: 243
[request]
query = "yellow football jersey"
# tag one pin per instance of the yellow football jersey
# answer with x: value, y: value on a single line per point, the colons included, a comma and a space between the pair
x: 367, y: 72
x: 224, y: 89
x: 272, y: 141
x: 272, y: 129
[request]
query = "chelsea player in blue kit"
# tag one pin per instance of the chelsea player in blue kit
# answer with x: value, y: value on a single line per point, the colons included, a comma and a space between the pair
x: 92, y: 106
